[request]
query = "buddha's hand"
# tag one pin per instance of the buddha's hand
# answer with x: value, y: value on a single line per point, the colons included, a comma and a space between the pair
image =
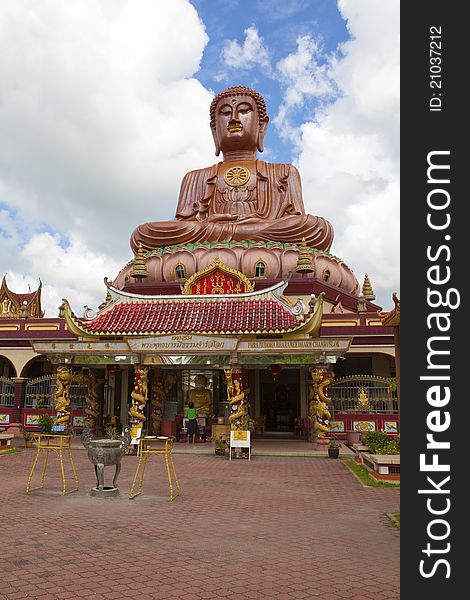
x: 249, y: 218
x: 223, y: 217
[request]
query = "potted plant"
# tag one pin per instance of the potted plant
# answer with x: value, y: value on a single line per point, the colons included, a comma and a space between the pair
x: 45, y: 423
x: 220, y: 442
x: 28, y: 437
x: 333, y: 447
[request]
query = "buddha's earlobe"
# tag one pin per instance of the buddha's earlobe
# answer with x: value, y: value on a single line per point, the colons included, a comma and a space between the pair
x: 216, y: 141
x: 261, y: 131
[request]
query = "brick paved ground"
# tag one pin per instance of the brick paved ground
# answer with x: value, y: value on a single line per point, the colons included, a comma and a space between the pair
x: 277, y: 527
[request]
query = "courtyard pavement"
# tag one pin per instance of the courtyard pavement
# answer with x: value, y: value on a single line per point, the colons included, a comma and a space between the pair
x: 278, y: 527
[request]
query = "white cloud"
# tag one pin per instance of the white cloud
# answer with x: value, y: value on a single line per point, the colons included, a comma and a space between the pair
x: 349, y: 150
x: 252, y: 53
x: 305, y: 73
x: 100, y: 117
x: 76, y: 271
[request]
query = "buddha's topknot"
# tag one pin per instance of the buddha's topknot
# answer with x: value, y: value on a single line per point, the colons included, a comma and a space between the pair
x: 239, y: 90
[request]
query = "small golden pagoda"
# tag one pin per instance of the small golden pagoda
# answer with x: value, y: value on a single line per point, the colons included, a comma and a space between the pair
x: 304, y: 262
x: 367, y: 289
x: 139, y: 264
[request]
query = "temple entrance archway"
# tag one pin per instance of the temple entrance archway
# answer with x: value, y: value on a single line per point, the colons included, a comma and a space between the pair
x: 280, y: 400
x: 37, y: 367
x: 7, y: 369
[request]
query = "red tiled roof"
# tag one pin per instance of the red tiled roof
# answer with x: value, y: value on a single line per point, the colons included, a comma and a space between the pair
x: 195, y: 316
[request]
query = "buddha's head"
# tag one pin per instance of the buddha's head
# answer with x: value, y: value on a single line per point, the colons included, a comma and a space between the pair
x: 238, y: 120
x: 200, y: 381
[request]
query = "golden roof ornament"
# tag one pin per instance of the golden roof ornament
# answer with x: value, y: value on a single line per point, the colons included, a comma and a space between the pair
x: 337, y: 306
x: 367, y: 289
x: 218, y: 270
x: 24, y: 311
x: 14, y: 305
x: 106, y: 301
x: 139, y: 264
x: 304, y: 262
x: 361, y: 304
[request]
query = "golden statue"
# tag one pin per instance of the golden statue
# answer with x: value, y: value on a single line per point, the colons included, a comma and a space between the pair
x: 318, y: 401
x: 62, y: 395
x: 139, y: 397
x: 92, y: 401
x: 363, y: 399
x: 229, y: 381
x: 201, y: 395
x: 237, y: 397
x: 242, y: 197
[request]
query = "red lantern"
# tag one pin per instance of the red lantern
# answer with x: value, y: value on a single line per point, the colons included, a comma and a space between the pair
x: 274, y: 370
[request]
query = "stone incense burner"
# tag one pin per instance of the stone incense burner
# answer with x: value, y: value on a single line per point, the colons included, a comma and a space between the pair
x: 102, y: 452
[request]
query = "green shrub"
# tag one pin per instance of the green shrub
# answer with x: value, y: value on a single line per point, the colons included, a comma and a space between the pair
x: 45, y: 422
x: 379, y: 442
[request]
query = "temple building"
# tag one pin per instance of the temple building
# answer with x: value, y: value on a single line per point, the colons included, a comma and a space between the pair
x: 237, y: 304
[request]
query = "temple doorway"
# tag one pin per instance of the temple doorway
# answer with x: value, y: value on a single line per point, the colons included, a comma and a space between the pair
x: 280, y: 401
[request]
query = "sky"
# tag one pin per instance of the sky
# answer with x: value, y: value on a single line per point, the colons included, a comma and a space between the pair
x: 104, y: 107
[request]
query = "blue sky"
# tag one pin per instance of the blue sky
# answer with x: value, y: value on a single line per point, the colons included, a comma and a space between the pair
x: 104, y: 107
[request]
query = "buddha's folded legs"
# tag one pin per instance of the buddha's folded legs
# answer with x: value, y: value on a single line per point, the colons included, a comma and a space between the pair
x: 318, y: 232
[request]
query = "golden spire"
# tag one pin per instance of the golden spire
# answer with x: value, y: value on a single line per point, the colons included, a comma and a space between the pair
x: 139, y: 264
x: 304, y: 262
x: 367, y: 289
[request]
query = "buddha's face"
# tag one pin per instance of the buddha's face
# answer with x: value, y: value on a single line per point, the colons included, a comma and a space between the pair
x: 200, y: 381
x: 237, y: 125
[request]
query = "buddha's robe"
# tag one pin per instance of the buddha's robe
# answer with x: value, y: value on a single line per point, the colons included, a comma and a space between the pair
x: 268, y: 208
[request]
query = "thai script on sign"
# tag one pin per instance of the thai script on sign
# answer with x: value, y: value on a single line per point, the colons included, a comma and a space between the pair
x: 183, y: 343
x: 196, y: 345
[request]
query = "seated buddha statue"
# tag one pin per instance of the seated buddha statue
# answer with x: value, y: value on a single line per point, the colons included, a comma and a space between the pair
x: 201, y: 395
x: 242, y: 197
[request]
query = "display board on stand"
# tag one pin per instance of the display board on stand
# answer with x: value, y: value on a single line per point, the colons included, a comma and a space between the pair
x: 240, y: 439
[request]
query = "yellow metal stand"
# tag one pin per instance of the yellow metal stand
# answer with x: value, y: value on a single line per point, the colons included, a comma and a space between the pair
x: 150, y: 446
x: 47, y: 443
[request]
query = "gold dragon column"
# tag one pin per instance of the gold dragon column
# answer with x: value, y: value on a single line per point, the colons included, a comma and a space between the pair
x: 92, y: 401
x: 158, y: 396
x: 62, y: 395
x: 139, y: 397
x: 319, y: 413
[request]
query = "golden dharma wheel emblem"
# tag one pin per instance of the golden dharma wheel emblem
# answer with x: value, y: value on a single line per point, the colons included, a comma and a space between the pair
x: 237, y: 176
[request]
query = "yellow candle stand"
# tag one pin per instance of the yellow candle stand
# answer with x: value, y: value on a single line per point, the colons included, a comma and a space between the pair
x: 151, y: 446
x: 47, y: 443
